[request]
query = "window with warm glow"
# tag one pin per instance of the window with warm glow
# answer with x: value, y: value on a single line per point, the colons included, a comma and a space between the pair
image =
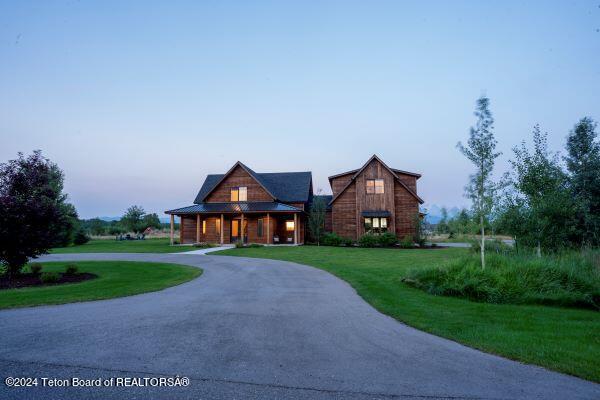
x: 375, y: 186
x: 289, y: 226
x: 239, y: 193
x: 243, y: 193
x: 218, y: 226
x: 204, y: 227
x: 376, y: 225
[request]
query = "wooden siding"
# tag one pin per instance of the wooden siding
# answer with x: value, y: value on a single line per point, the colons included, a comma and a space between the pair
x: 328, y: 221
x: 339, y: 183
x: 406, y: 209
x: 238, y: 177
x: 344, y: 213
x: 374, y: 201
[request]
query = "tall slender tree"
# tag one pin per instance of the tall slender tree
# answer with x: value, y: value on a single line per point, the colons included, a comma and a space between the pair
x: 583, y: 164
x: 481, y: 151
x: 316, y: 218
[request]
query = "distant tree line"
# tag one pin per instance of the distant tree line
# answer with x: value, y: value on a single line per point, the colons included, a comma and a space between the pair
x: 134, y: 220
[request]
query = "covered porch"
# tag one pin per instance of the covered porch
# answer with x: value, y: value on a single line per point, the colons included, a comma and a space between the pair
x: 229, y: 223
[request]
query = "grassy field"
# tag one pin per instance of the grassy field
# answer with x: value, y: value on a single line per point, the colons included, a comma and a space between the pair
x: 124, y: 246
x: 561, y: 339
x: 115, y: 279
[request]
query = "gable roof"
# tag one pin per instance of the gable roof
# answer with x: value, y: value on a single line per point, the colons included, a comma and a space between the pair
x: 282, y: 186
x: 392, y: 171
x: 397, y: 171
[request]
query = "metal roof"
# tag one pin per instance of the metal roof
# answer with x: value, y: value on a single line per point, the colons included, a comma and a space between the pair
x: 241, y: 207
x: 376, y: 213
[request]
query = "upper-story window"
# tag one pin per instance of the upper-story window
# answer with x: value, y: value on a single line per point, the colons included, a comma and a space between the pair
x: 375, y: 186
x: 239, y: 193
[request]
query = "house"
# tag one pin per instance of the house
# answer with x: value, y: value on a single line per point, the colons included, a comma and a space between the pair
x: 272, y: 208
x: 373, y: 199
x: 243, y: 205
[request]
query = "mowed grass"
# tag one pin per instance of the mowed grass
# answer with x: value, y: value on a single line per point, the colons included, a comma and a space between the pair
x: 115, y: 279
x: 561, y: 339
x: 124, y: 246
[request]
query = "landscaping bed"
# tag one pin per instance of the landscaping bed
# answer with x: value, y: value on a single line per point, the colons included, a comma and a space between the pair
x: 29, y: 280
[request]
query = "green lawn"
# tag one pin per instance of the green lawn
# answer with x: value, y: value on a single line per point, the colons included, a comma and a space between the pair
x: 124, y: 246
x: 561, y: 339
x: 115, y: 279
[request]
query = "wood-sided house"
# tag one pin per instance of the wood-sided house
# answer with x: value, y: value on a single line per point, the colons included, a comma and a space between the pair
x: 272, y: 208
x: 373, y: 199
x: 243, y: 205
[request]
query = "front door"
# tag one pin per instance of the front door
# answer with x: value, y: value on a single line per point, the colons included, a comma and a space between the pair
x: 236, y: 231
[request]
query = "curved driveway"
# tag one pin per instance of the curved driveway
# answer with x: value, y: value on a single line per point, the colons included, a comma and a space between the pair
x: 253, y: 328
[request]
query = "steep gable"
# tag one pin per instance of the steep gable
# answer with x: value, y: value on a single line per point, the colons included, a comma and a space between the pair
x: 236, y: 177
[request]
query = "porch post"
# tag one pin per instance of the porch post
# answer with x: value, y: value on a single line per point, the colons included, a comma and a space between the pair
x: 172, y: 227
x: 222, y: 228
x: 268, y: 229
x: 197, y: 228
x: 295, y: 228
x: 242, y: 228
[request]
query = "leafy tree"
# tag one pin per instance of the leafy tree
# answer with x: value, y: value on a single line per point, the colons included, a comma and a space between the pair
x: 583, y: 165
x: 133, y: 219
x: 96, y: 226
x: 538, y: 206
x: 442, y: 226
x: 151, y: 221
x: 34, y: 213
x: 70, y: 224
x: 480, y: 150
x: 316, y: 219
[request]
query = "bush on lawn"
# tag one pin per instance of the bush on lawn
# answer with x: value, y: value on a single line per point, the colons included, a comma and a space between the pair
x: 407, y: 242
x: 35, y: 268
x: 71, y: 269
x: 239, y: 245
x: 81, y: 237
x: 368, y: 240
x: 333, y: 239
x: 50, y: 277
x: 254, y: 245
x: 387, y: 239
x: 570, y: 280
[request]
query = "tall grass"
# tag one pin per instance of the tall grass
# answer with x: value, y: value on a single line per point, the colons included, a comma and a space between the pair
x: 569, y: 279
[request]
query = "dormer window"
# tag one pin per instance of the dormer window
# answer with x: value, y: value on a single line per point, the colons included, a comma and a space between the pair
x: 239, y: 193
x: 375, y: 186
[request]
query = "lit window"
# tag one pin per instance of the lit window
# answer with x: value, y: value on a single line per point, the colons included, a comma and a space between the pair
x: 376, y: 225
x: 259, y: 228
x: 375, y: 186
x: 204, y: 227
x: 218, y: 226
x: 239, y: 193
x: 243, y: 193
x: 289, y: 226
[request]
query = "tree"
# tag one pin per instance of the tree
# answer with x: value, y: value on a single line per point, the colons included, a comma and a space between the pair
x: 97, y: 226
x: 480, y: 150
x: 33, y: 210
x: 132, y: 220
x: 442, y: 226
x: 70, y: 224
x: 538, y: 206
x: 316, y: 218
x: 151, y: 221
x: 583, y: 165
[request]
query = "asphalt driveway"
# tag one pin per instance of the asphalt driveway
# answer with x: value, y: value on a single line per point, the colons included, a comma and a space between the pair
x: 252, y: 328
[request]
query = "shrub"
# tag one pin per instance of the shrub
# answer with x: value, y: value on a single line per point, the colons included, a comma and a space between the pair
x: 50, y: 277
x: 387, y: 239
x: 81, y: 237
x: 347, y: 242
x: 239, y: 245
x: 254, y: 245
x: 35, y: 268
x: 71, y: 269
x: 406, y: 242
x: 570, y: 280
x: 331, y: 239
x: 368, y: 240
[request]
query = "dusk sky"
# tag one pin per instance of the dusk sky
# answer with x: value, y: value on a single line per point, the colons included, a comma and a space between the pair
x: 137, y: 102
